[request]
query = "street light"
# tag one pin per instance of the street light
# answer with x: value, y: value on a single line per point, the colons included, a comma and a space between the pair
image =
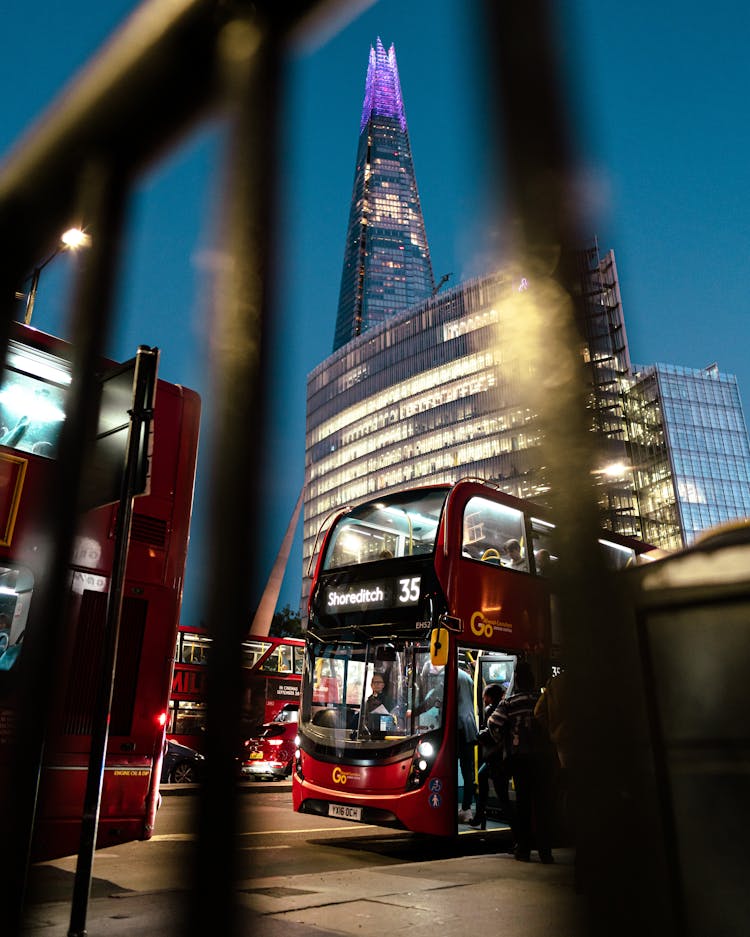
x: 72, y: 239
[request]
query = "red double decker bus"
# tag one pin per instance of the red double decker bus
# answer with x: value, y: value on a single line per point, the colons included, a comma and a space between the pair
x: 34, y: 388
x: 467, y: 564
x: 272, y: 674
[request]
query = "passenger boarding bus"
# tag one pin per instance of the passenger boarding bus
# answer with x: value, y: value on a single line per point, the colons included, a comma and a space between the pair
x: 272, y: 674
x: 35, y: 385
x: 413, y: 585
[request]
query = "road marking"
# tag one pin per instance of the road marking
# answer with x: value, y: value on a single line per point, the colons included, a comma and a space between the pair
x: 262, y: 848
x: 174, y: 838
x: 191, y: 837
x: 316, y: 829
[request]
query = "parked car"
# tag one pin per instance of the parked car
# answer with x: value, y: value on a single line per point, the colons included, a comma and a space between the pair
x: 181, y: 765
x: 270, y: 752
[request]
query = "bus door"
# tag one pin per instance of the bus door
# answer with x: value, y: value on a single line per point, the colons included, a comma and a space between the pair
x: 484, y: 668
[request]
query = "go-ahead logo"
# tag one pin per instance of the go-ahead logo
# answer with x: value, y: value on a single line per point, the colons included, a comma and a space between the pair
x: 338, y: 776
x: 485, y: 627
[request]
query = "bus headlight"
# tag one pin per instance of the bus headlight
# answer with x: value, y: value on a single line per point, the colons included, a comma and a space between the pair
x: 298, y: 759
x: 421, y: 764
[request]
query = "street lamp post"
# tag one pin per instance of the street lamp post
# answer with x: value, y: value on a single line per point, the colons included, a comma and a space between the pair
x: 72, y: 239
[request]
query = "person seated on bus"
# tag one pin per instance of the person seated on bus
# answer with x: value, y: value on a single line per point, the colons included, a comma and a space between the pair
x: 378, y: 717
x: 377, y: 689
x: 513, y: 557
x: 543, y: 562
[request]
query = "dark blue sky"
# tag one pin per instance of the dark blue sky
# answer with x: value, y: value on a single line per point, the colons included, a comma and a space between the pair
x: 660, y: 101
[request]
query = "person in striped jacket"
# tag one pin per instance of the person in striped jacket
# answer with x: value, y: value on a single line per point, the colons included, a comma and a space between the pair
x: 519, y: 736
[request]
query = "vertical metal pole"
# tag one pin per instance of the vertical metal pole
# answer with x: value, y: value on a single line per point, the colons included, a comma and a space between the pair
x: 548, y: 204
x: 31, y: 295
x: 144, y: 388
x: 249, y: 55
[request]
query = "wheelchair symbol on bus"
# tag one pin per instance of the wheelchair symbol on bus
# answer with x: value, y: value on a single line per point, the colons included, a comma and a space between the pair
x: 436, y: 785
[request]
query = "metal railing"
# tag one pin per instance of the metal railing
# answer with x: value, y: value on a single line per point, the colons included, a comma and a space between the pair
x: 174, y: 64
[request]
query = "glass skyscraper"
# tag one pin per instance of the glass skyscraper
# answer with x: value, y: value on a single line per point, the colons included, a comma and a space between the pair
x: 387, y: 264
x: 690, y: 451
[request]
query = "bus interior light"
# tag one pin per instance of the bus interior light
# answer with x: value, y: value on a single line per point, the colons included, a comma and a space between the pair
x: 541, y: 523
x: 47, y: 370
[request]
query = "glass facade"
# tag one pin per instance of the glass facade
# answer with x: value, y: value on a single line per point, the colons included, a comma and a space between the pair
x: 426, y: 397
x: 431, y: 396
x: 607, y: 364
x: 690, y: 451
x: 387, y: 264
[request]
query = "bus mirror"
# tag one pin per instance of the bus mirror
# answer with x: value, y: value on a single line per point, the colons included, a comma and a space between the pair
x: 439, y: 647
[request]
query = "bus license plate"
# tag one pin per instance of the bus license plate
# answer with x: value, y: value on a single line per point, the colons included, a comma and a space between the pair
x: 344, y: 813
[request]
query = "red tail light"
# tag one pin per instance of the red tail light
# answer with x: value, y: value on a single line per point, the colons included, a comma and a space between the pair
x: 161, y: 719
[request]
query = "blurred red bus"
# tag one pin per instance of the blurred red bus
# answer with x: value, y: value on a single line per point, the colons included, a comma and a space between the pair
x: 272, y: 669
x: 466, y: 564
x: 32, y: 404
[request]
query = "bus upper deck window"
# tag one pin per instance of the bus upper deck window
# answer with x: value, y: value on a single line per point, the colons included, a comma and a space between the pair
x: 32, y: 408
x: 494, y: 533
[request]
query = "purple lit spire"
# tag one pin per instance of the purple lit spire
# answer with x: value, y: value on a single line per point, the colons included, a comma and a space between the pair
x: 382, y: 87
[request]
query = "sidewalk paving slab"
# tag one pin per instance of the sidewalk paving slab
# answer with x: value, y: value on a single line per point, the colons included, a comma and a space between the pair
x: 459, y: 896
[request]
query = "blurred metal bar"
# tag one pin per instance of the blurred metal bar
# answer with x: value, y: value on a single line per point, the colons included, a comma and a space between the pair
x: 101, y: 194
x: 537, y: 129
x: 250, y: 57
x: 151, y: 82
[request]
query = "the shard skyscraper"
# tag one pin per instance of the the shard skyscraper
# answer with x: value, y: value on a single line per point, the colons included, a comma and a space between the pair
x: 387, y: 264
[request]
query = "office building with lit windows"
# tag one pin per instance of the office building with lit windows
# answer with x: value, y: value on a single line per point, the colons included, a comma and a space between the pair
x: 434, y: 394
x: 424, y: 397
x: 387, y: 264
x: 689, y: 450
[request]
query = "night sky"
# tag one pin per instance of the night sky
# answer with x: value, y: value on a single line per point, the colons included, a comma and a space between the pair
x: 659, y: 96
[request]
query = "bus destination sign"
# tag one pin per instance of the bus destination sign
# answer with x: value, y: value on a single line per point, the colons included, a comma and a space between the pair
x: 379, y: 593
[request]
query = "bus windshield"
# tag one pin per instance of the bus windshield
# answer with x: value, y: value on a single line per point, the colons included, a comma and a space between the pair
x: 402, y: 524
x: 373, y: 693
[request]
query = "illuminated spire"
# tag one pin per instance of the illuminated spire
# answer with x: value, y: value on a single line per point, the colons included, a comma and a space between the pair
x: 382, y: 87
x: 387, y: 264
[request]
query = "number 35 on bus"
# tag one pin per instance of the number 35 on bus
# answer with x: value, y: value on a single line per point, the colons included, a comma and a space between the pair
x: 468, y: 557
